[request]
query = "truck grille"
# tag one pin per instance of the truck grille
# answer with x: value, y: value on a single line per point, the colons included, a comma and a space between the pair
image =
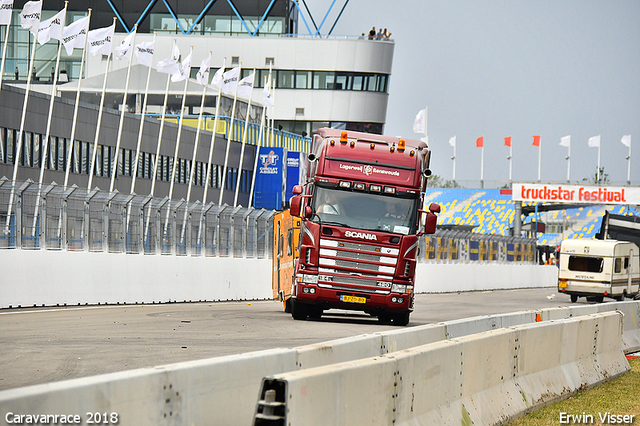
x: 366, y: 265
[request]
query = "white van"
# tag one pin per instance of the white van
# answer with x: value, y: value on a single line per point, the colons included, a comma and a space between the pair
x: 597, y: 269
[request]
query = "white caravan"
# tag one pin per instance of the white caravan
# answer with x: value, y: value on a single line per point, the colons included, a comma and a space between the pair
x: 598, y: 268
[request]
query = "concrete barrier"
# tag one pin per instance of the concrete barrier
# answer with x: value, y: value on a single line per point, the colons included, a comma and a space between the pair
x: 439, y: 277
x: 233, y: 382
x: 50, y: 278
x: 485, y: 378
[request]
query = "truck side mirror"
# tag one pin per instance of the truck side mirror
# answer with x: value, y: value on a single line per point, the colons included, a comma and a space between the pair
x: 308, y: 212
x: 430, y: 223
x: 297, y: 190
x: 296, y: 201
x: 434, y: 208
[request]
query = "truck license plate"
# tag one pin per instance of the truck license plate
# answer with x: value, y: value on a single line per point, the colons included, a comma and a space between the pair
x: 353, y: 299
x: 562, y: 284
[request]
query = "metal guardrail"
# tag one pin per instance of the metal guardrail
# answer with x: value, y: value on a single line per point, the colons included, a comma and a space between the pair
x: 58, y: 218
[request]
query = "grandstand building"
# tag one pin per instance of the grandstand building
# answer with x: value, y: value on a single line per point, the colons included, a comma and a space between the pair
x: 320, y: 80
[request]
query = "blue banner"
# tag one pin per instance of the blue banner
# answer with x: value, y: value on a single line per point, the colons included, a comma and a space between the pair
x: 270, y: 179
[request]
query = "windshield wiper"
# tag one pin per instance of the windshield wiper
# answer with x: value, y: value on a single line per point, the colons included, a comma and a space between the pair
x: 329, y: 222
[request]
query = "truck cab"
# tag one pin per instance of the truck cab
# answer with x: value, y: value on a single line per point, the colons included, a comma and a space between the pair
x: 596, y: 269
x: 362, y: 216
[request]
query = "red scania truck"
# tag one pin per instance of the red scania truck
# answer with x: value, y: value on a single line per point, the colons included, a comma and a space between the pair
x: 361, y: 220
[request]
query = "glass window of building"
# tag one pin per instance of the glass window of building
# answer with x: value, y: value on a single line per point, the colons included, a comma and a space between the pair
x: 303, y: 79
x: 285, y: 79
x: 323, y: 80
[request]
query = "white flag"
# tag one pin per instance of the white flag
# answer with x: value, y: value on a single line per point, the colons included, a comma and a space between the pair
x: 144, y: 52
x: 170, y: 66
x: 594, y: 142
x: 75, y: 35
x: 217, y: 78
x: 626, y: 140
x: 245, y: 86
x: 30, y: 16
x: 565, y: 141
x: 184, y: 68
x: 203, y: 72
x: 6, y: 7
x: 418, y: 123
x: 230, y: 80
x: 124, y: 50
x: 452, y: 141
x: 267, y: 99
x: 100, y: 40
x: 51, y: 28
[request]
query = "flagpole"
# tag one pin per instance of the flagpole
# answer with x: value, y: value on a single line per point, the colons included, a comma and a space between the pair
x: 213, y: 138
x: 4, y: 52
x: 539, y: 159
x: 98, y: 125
x: 260, y: 134
x: 255, y: 162
x: 510, y: 161
x: 568, y: 163
x: 144, y: 108
x: 75, y: 110
x: 273, y: 96
x: 244, y: 142
x: 629, y: 165
x: 453, y: 157
x: 124, y: 108
x: 229, y: 137
x: 598, y: 171
x: 195, y: 150
x: 45, y: 147
x: 22, y: 120
x: 482, y: 166
x: 175, y: 157
x: 164, y: 110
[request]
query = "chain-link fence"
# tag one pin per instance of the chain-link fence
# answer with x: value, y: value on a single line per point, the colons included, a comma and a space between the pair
x: 55, y: 218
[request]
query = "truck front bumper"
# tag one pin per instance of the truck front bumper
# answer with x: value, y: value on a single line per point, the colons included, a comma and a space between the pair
x: 352, y: 299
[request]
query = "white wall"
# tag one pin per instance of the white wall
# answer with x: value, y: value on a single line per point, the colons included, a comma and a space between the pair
x: 60, y: 277
x: 49, y: 278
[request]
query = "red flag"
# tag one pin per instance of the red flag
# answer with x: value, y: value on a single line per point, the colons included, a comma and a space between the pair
x: 507, y: 141
x: 480, y: 141
x: 536, y: 141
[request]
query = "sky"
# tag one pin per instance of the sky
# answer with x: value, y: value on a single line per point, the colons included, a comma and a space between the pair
x: 518, y: 68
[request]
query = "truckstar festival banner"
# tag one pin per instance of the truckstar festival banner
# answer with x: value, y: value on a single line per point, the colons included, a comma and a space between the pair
x: 538, y: 192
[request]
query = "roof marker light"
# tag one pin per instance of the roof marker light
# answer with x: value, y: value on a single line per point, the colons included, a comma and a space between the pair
x: 352, y: 144
x: 343, y: 137
x: 412, y: 153
x: 373, y: 145
x: 332, y: 142
x: 401, y: 145
x: 392, y: 149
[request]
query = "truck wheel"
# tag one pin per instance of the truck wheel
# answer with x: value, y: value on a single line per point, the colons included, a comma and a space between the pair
x: 636, y: 297
x: 401, y: 319
x: 299, y: 311
x: 574, y: 298
x: 287, y: 305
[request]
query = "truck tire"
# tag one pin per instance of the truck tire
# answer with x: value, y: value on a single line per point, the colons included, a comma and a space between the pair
x: 299, y: 311
x: 401, y: 319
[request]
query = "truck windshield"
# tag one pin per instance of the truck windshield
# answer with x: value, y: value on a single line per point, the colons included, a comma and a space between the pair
x: 374, y: 212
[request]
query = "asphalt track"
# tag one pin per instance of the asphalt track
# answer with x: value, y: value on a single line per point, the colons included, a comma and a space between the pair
x: 40, y: 345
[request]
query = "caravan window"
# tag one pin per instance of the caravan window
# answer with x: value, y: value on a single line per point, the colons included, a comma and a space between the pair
x: 617, y: 265
x: 585, y: 264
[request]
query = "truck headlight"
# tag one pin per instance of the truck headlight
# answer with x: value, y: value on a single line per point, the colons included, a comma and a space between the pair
x: 398, y: 288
